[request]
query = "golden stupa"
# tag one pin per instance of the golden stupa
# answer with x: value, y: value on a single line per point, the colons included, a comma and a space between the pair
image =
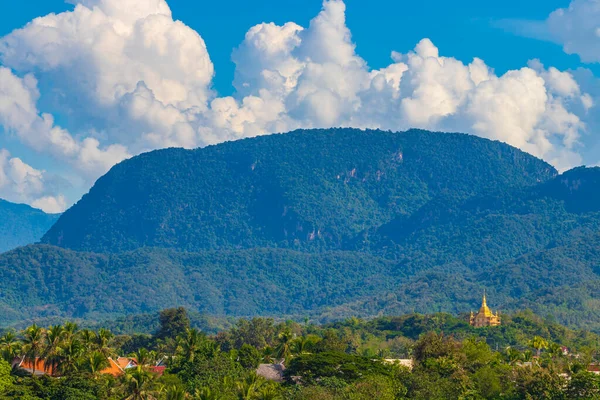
x: 485, y: 316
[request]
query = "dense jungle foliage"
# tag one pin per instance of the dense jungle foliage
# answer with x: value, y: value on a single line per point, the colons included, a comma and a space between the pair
x: 525, y: 358
x: 310, y: 190
x: 326, y: 223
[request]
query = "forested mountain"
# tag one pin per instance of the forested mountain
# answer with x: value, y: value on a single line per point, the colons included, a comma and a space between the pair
x: 21, y: 225
x: 327, y: 223
x: 309, y: 190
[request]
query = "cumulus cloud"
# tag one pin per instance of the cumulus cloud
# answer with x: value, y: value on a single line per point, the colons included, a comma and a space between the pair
x: 22, y: 183
x: 303, y: 83
x: 129, y: 78
x: 127, y: 65
x: 19, y: 114
x: 577, y: 28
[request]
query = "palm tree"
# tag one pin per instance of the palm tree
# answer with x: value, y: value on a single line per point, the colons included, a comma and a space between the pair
x: 304, y: 344
x: 268, y: 392
x: 71, y: 352
x: 175, y: 393
x: 267, y: 354
x: 145, y: 357
x: 190, y: 344
x: 283, y: 350
x: 102, y: 342
x: 139, y: 384
x: 9, y: 346
x: 88, y: 338
x: 166, y: 348
x: 513, y: 355
x: 33, y: 344
x: 52, y: 351
x: 555, y: 350
x: 207, y: 394
x: 538, y: 343
x: 249, y: 387
x: 95, y: 363
x: 70, y: 329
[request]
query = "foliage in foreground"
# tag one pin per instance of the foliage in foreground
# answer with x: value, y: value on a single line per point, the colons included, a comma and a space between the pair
x: 349, y: 360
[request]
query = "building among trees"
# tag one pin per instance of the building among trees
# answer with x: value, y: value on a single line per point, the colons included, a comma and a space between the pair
x: 485, y: 316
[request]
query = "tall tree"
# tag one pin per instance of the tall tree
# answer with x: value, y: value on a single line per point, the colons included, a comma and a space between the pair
x: 9, y: 346
x: 174, y: 322
x: 33, y: 344
x: 139, y: 384
x: 52, y: 353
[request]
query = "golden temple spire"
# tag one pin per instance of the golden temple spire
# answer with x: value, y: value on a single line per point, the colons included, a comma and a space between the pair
x: 484, y: 303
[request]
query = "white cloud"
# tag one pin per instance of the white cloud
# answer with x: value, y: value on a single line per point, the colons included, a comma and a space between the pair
x: 126, y: 64
x: 577, y: 28
x: 19, y: 114
x: 130, y: 79
x: 51, y: 204
x: 22, y: 183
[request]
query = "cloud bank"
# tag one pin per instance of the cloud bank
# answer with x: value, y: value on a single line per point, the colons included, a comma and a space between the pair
x: 127, y: 78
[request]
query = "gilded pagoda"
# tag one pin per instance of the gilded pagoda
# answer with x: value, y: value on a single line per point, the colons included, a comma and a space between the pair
x: 485, y: 316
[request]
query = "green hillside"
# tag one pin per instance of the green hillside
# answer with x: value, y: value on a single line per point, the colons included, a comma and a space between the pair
x: 21, y: 225
x: 309, y: 190
x: 326, y: 223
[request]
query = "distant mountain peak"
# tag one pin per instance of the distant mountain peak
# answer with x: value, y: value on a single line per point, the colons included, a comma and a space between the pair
x: 21, y: 224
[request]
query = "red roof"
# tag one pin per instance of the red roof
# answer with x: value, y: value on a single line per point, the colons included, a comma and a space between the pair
x: 158, y: 370
x: 593, y: 368
x: 40, y: 368
x: 113, y: 369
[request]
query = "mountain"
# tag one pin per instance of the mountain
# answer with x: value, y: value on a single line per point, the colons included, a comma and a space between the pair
x: 305, y: 190
x: 21, y: 225
x: 326, y: 223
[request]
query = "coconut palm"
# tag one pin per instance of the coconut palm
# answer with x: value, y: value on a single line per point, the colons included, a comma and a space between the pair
x: 206, y: 394
x: 71, y: 352
x: 555, y: 350
x: 138, y: 384
x: 538, y: 343
x: 268, y: 392
x: 145, y: 357
x: 9, y: 346
x: 70, y: 329
x: 248, y: 388
x: 95, y: 362
x: 190, y: 343
x: 283, y: 350
x: 88, y: 338
x: 175, y: 393
x: 33, y: 344
x: 513, y: 355
x: 52, y: 353
x: 267, y: 354
x: 305, y: 344
x: 102, y: 342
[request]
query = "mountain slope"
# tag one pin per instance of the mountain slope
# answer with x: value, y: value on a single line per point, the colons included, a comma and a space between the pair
x: 44, y: 281
x: 327, y: 223
x: 306, y: 190
x: 21, y: 225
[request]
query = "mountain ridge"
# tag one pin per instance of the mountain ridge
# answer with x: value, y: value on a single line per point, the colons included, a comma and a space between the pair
x: 21, y: 224
x: 379, y: 223
x: 285, y: 190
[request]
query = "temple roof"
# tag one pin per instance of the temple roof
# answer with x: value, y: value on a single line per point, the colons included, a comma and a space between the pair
x: 485, y: 310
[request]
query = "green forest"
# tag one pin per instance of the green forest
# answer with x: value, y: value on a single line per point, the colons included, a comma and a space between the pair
x: 414, y: 356
x: 326, y: 223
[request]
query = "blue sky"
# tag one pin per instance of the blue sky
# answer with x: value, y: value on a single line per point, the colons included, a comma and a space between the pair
x: 463, y: 29
x: 85, y: 89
